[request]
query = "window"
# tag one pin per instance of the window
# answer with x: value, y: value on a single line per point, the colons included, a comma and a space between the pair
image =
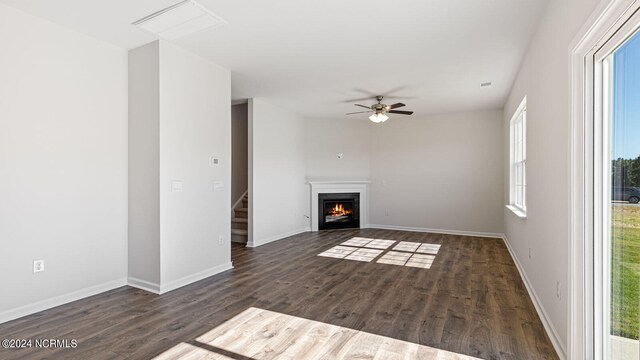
x: 518, y: 161
x: 618, y: 243
x: 604, y: 299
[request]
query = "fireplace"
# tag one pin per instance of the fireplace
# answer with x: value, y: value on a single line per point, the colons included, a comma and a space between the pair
x: 338, y: 211
x: 328, y: 188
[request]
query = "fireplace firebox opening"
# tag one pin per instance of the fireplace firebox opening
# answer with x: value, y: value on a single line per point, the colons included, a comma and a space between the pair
x: 338, y: 211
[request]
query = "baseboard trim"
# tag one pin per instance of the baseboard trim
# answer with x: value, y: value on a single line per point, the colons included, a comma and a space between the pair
x: 55, y: 301
x: 253, y: 244
x: 143, y: 285
x: 437, y: 231
x: 542, y: 314
x: 46, y: 304
x: 165, y: 288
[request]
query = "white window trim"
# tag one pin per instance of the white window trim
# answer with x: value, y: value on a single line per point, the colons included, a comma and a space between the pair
x: 519, y: 213
x: 518, y: 210
x: 603, y: 97
x: 585, y: 265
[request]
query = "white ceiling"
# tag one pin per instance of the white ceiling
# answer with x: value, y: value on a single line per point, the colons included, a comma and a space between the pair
x: 314, y: 57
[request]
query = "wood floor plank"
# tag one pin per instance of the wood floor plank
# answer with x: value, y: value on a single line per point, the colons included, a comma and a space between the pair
x: 471, y: 302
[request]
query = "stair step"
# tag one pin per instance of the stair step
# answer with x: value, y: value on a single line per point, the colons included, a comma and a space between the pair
x: 240, y: 221
x: 238, y: 226
x: 241, y: 213
x: 239, y: 239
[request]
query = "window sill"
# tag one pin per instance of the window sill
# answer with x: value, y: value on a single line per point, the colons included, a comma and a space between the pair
x: 519, y: 213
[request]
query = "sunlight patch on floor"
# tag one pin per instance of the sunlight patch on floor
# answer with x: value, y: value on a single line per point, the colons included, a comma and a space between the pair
x: 369, y: 243
x: 394, y: 258
x: 380, y: 244
x: 405, y: 253
x: 188, y: 351
x: 357, y: 241
x: 407, y: 259
x: 365, y: 255
x: 420, y: 261
x: 261, y: 334
x: 428, y: 249
x: 407, y: 246
x: 339, y: 252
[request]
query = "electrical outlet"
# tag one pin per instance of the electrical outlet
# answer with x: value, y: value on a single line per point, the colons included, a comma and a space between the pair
x: 38, y: 266
x: 529, y: 253
x: 220, y: 239
x: 386, y: 212
x: 558, y: 290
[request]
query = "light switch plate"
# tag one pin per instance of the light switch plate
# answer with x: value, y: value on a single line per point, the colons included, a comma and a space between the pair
x: 38, y: 266
x: 214, y: 161
x: 218, y: 185
x: 176, y: 186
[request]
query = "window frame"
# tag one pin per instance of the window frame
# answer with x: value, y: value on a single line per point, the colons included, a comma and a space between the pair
x: 602, y: 234
x: 518, y: 161
x: 586, y: 232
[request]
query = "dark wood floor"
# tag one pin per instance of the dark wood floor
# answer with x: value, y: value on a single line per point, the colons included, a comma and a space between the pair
x: 471, y: 301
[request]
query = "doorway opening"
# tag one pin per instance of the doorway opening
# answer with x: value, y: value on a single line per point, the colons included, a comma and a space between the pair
x: 239, y: 176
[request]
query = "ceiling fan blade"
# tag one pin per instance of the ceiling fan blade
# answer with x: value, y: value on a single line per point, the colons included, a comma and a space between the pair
x: 400, y: 112
x: 358, y: 112
x: 366, y: 107
x: 395, y: 106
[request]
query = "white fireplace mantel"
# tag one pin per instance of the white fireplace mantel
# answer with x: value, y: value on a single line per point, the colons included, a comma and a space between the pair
x: 340, y: 186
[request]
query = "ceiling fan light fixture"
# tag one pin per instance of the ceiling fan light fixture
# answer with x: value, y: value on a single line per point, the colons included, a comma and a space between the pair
x: 378, y: 118
x: 379, y: 111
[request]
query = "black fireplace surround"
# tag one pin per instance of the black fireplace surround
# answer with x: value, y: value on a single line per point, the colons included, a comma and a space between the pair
x: 338, y: 211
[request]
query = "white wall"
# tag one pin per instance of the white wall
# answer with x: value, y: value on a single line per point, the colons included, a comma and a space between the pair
x: 544, y: 79
x: 439, y: 172
x: 278, y: 194
x: 239, y: 150
x: 144, y: 164
x: 195, y: 123
x: 179, y: 118
x: 63, y: 164
x: 325, y: 139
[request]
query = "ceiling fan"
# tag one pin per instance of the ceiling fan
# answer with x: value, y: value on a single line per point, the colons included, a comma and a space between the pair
x: 381, y: 110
